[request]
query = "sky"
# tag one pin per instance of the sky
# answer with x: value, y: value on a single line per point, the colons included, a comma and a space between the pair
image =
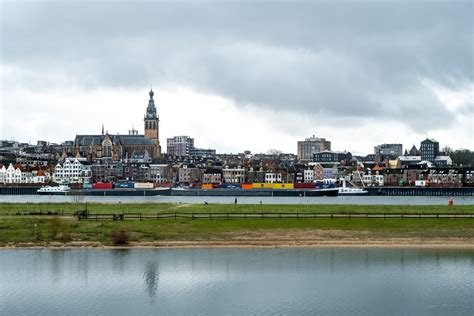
x: 241, y: 75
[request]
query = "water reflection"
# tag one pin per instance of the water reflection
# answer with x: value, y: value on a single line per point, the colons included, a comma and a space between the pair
x: 237, y: 281
x: 119, y: 259
x: 57, y: 262
x: 151, y: 276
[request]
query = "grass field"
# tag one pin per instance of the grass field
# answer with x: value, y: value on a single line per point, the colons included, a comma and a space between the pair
x: 106, y: 208
x: 17, y: 225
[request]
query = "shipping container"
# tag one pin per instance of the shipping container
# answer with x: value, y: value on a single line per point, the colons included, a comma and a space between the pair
x: 304, y: 186
x: 123, y: 185
x: 87, y: 185
x: 143, y: 185
x: 262, y: 185
x: 421, y: 183
x: 207, y: 186
x: 230, y: 185
x: 283, y: 185
x: 102, y: 185
x: 246, y: 186
x: 163, y: 184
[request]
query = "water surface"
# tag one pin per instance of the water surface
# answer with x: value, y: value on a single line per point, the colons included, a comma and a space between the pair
x: 338, y: 281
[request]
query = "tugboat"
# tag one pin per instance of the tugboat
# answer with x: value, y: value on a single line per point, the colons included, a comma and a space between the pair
x: 62, y: 189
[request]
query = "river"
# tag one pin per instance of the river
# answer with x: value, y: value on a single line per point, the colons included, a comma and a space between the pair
x: 303, y: 281
x: 361, y: 200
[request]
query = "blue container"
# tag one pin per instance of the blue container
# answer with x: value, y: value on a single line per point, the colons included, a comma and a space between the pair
x: 123, y: 185
x: 230, y: 185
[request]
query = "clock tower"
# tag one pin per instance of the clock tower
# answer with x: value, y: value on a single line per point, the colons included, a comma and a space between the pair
x: 152, y: 124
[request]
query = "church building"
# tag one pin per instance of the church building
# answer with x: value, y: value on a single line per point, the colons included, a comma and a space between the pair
x: 126, y: 146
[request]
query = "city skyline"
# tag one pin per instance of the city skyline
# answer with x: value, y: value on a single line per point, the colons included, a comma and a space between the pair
x: 288, y: 73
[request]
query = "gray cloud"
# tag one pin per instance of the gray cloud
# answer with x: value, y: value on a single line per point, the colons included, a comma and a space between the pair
x: 351, y: 59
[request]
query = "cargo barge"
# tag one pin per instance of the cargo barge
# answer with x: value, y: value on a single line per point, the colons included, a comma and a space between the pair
x: 150, y: 189
x: 255, y: 192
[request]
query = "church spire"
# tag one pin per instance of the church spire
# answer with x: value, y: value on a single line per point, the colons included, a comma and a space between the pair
x: 151, y: 109
x: 102, y: 129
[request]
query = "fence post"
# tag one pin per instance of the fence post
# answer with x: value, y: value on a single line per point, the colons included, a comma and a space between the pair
x: 210, y: 216
x: 227, y: 215
x: 175, y: 215
x: 192, y: 217
x: 297, y: 215
x: 140, y: 216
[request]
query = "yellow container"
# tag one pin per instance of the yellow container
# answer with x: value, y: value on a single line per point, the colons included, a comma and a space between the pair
x: 207, y: 186
x: 283, y: 186
x: 261, y: 185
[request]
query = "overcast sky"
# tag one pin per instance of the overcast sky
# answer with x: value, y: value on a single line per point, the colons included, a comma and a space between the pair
x: 240, y: 75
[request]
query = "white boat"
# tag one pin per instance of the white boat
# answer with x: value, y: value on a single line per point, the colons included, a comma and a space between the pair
x: 180, y: 189
x: 350, y: 191
x: 51, y: 190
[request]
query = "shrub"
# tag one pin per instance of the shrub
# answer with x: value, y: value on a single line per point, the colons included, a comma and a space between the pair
x: 120, y: 237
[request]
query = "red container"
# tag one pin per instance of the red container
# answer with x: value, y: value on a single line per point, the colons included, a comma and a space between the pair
x: 304, y: 186
x: 247, y: 186
x: 216, y: 185
x: 102, y: 185
x: 163, y: 185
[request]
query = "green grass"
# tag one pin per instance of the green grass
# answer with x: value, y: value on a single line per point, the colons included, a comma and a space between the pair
x: 148, y: 208
x: 20, y: 229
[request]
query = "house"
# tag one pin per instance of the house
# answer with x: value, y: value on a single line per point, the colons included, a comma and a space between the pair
x: 69, y: 171
x: 234, y: 174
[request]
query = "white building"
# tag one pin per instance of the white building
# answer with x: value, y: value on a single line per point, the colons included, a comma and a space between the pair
x: 373, y: 180
x: 308, y: 176
x: 233, y: 175
x: 271, y: 177
x: 3, y: 174
x: 13, y: 175
x: 70, y: 171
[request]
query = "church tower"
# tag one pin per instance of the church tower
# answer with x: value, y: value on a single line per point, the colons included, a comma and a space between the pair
x: 152, y: 125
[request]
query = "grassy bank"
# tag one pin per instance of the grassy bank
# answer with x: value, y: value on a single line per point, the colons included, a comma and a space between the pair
x: 17, y: 224
x: 154, y: 208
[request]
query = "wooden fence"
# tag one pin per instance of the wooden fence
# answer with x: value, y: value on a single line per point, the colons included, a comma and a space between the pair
x: 272, y: 215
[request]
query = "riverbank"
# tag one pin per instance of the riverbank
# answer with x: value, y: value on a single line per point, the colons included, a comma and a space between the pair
x: 66, y: 209
x: 396, y: 243
x: 53, y: 225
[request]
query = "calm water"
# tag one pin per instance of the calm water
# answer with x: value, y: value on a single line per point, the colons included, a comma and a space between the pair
x: 237, y: 281
x: 386, y: 200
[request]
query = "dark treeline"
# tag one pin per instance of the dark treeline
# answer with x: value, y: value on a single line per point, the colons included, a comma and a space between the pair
x: 463, y: 157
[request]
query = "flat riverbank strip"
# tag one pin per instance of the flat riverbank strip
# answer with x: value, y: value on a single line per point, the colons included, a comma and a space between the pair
x: 55, y: 224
